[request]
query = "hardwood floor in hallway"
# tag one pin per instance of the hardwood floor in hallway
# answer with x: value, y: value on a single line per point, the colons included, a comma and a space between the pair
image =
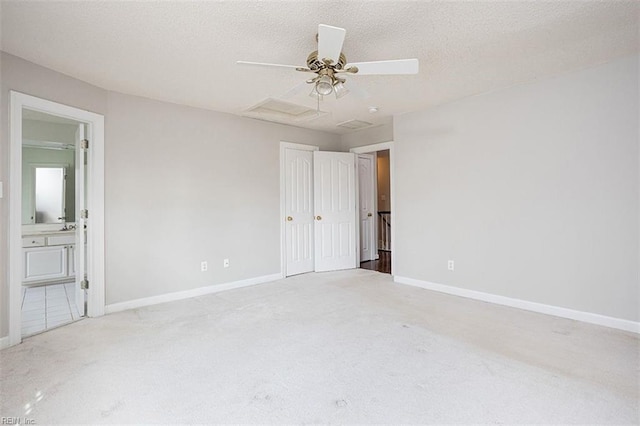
x: 383, y: 264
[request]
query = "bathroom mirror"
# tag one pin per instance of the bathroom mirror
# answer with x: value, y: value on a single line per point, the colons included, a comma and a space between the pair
x: 49, y: 194
x: 48, y: 169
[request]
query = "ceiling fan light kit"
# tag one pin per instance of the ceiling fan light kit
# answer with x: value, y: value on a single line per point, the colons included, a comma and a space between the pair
x: 324, y: 85
x: 340, y: 90
x: 329, y: 61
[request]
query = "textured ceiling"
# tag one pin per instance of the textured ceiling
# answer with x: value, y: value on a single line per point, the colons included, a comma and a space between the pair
x: 185, y: 52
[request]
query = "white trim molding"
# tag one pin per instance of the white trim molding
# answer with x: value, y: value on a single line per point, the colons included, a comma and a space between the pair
x: 371, y: 148
x: 300, y: 146
x: 187, y: 294
x: 4, y: 342
x: 588, y: 317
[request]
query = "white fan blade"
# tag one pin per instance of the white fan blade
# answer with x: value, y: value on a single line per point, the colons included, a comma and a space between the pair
x: 400, y: 66
x: 262, y: 64
x: 297, y: 89
x: 330, y: 41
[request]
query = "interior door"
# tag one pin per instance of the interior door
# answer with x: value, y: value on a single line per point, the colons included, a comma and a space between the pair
x: 298, y: 211
x: 81, y: 220
x: 366, y: 213
x: 335, y: 210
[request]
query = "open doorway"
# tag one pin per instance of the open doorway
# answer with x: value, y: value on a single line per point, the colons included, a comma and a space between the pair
x: 375, y: 184
x: 56, y: 253
x: 51, y: 169
x: 381, y: 243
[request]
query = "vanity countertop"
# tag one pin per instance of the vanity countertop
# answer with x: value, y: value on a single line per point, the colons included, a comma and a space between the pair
x: 42, y: 233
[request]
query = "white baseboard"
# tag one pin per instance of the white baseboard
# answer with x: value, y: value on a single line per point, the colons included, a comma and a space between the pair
x: 179, y: 295
x: 4, y: 342
x: 618, y: 323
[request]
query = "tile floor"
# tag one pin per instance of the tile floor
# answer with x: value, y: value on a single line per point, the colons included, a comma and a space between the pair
x: 48, y: 306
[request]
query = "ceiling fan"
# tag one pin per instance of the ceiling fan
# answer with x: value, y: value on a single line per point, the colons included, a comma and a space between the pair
x: 328, y: 62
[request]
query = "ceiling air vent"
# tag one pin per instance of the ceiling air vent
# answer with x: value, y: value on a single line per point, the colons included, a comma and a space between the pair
x: 277, y: 110
x: 354, y: 124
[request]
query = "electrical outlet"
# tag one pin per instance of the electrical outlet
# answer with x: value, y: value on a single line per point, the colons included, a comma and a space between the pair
x: 226, y: 263
x: 450, y: 265
x: 203, y: 266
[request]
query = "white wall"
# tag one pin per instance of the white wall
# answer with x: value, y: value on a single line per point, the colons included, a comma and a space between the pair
x: 185, y: 185
x: 532, y: 190
x: 377, y: 134
x: 383, y: 171
x: 26, y: 77
x: 182, y: 185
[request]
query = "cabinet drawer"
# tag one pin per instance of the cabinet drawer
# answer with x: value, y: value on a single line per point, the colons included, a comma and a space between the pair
x: 33, y: 241
x: 46, y: 263
x: 60, y: 240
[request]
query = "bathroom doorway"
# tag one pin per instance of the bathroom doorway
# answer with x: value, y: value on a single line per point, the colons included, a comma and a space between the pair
x: 56, y: 253
x: 53, y: 191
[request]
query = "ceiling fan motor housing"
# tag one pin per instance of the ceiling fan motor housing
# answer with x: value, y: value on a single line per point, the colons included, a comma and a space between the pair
x: 314, y: 63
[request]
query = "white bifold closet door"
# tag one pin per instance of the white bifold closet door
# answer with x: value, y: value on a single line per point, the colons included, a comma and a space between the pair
x: 298, y: 211
x: 320, y: 211
x: 335, y: 210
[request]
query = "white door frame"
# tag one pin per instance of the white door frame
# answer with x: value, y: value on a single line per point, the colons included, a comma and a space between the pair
x: 283, y: 207
x: 95, y: 204
x: 381, y: 147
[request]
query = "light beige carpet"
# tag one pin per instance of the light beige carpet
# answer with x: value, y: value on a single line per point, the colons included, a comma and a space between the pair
x: 341, y: 347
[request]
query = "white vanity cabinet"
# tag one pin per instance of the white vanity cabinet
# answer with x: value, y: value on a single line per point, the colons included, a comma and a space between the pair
x: 48, y: 258
x: 45, y: 263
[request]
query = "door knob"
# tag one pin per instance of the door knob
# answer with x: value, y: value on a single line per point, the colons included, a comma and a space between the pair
x: 369, y: 214
x: 319, y: 217
x: 289, y: 218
